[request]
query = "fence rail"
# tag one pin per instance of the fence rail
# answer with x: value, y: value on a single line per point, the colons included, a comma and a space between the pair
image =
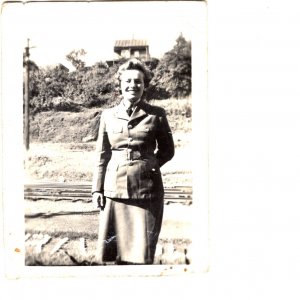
x: 82, y: 192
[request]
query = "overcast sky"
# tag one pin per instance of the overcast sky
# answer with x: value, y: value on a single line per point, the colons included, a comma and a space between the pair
x: 55, y: 29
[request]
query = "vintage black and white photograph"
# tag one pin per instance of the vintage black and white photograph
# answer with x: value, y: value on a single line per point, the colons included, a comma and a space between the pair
x: 114, y: 142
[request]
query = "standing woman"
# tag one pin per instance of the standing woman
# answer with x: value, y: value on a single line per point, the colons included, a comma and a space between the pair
x: 134, y: 141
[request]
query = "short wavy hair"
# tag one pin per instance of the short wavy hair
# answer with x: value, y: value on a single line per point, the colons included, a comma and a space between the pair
x: 133, y: 64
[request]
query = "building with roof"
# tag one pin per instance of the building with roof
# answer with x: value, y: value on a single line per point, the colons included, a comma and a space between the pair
x: 132, y: 48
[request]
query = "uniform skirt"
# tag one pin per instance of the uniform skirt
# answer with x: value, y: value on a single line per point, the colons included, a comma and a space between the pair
x: 129, y: 230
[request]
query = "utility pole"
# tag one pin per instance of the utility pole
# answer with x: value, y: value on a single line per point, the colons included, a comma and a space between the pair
x: 26, y: 98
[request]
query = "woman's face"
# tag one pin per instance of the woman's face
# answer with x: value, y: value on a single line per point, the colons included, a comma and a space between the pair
x: 132, y: 85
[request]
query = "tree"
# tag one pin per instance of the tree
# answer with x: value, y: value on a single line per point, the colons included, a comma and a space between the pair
x: 48, y: 84
x: 92, y: 86
x: 172, y: 77
x: 75, y: 58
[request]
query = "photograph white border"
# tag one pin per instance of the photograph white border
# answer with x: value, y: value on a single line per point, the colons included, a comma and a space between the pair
x: 13, y: 153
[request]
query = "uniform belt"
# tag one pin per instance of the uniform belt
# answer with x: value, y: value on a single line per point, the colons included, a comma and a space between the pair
x: 130, y: 154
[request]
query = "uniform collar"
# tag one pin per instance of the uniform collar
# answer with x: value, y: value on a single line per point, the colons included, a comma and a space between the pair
x: 137, y: 112
x: 128, y: 105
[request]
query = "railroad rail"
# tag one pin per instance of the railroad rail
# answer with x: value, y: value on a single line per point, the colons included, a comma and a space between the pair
x: 82, y: 192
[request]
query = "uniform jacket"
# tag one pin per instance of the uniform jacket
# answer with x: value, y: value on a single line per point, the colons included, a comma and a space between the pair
x: 130, y: 152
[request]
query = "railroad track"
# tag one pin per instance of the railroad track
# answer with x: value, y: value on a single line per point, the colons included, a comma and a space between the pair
x: 82, y: 192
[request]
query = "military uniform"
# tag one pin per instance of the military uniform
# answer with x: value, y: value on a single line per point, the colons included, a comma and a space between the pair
x: 130, y: 151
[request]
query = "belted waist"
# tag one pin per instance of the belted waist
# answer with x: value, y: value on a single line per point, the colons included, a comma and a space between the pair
x: 130, y: 154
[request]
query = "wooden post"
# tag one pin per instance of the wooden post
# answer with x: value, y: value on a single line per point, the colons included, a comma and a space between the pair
x: 147, y: 53
x: 26, y: 98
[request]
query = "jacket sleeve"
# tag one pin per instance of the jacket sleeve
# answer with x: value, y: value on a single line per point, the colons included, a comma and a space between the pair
x: 165, y: 142
x: 103, y: 155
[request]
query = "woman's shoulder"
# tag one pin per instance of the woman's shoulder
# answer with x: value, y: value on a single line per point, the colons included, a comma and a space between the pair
x: 110, y: 111
x: 153, y: 109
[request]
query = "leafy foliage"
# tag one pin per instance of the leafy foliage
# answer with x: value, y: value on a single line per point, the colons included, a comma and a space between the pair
x: 75, y: 57
x: 172, y: 76
x: 47, y: 90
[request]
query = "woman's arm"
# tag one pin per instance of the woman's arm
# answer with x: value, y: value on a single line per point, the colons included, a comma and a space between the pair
x: 165, y: 143
x: 103, y: 155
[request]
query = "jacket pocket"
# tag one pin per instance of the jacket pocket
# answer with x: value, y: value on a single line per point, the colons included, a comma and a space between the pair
x: 151, y: 181
x: 117, y: 129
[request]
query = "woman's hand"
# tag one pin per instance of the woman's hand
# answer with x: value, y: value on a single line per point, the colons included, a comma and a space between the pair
x: 99, y: 200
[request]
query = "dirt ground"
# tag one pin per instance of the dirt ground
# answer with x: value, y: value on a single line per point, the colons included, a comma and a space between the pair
x: 74, y: 162
x: 82, y: 218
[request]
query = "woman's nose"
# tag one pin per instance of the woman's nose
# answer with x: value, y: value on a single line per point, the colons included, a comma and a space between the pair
x: 132, y: 84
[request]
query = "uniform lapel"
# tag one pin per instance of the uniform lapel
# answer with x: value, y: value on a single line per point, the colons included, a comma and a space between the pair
x: 139, y: 111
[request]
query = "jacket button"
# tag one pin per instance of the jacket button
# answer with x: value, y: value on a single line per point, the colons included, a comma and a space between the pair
x: 130, y: 126
x: 130, y: 139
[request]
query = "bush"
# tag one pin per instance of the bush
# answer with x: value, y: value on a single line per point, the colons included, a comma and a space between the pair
x: 103, y: 101
x: 60, y: 104
x: 56, y: 104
